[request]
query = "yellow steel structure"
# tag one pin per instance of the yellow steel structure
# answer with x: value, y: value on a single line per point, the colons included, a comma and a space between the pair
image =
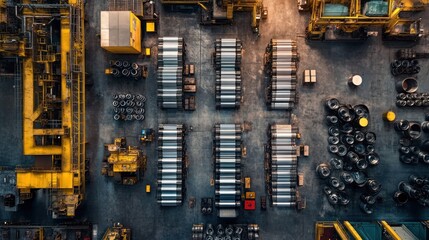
x: 126, y: 162
x: 354, y: 19
x: 54, y: 105
x: 253, y: 6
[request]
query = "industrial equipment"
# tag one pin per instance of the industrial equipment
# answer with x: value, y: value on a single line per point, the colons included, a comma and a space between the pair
x: 171, y: 53
x: 349, y: 20
x: 77, y: 231
x: 282, y: 172
x: 146, y: 135
x: 227, y: 59
x: 117, y: 232
x: 281, y: 59
x: 227, y: 151
x: 231, y: 231
x: 53, y: 83
x: 371, y: 230
x: 125, y: 163
x: 120, y: 32
x: 171, y: 164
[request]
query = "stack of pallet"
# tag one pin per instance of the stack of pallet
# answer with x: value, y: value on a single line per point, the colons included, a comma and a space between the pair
x: 170, y: 72
x: 227, y: 168
x: 228, y: 74
x: 281, y: 64
x: 171, y: 167
x: 283, y: 154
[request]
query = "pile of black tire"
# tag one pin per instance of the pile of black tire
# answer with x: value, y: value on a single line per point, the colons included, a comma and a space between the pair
x: 128, y: 107
x: 125, y: 69
x: 352, y: 147
x: 405, y: 67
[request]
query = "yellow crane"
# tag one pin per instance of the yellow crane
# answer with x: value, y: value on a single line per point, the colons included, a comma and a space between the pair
x: 124, y: 163
x: 53, y: 102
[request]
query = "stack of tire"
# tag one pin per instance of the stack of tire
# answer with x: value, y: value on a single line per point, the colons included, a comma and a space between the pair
x: 128, y: 107
x: 124, y: 69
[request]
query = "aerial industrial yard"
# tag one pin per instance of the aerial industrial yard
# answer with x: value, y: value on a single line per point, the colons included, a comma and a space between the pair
x: 186, y: 119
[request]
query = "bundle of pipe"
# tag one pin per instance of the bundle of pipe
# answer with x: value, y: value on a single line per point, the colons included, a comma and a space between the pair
x: 282, y: 67
x: 283, y: 164
x: 228, y: 74
x: 170, y: 68
x: 171, y: 152
x: 227, y: 165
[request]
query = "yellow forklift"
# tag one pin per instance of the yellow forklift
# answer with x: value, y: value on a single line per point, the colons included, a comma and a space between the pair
x: 124, y: 163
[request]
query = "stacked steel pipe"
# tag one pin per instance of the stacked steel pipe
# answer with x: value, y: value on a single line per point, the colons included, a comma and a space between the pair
x: 414, y: 144
x: 283, y: 164
x: 281, y: 65
x: 228, y: 74
x: 227, y: 165
x: 171, y: 167
x: 170, y: 70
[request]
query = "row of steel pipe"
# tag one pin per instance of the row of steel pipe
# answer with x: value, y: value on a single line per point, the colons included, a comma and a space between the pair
x: 227, y: 59
x: 227, y: 152
x: 283, y: 159
x: 170, y: 69
x: 282, y: 68
x: 171, y: 152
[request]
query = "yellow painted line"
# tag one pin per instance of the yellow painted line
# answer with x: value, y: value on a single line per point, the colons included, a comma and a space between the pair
x: 352, y: 230
x: 390, y: 231
x: 340, y: 232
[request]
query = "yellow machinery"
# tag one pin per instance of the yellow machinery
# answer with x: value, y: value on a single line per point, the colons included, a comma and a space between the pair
x: 222, y: 11
x: 54, y: 102
x: 124, y: 163
x: 370, y: 230
x: 349, y: 19
x: 117, y: 232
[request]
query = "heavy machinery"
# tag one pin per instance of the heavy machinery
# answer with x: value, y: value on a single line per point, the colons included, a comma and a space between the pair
x: 48, y: 38
x: 222, y: 11
x: 351, y: 20
x: 117, y: 232
x: 125, y: 163
x: 371, y: 230
x: 77, y: 231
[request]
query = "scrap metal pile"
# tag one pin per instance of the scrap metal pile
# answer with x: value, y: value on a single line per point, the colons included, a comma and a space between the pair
x: 232, y: 232
x: 128, y: 107
x: 171, y: 164
x: 414, y: 147
x: 170, y: 72
x: 417, y: 189
x: 281, y: 59
x: 228, y: 74
x: 227, y: 151
x: 352, y: 146
x: 283, y: 161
